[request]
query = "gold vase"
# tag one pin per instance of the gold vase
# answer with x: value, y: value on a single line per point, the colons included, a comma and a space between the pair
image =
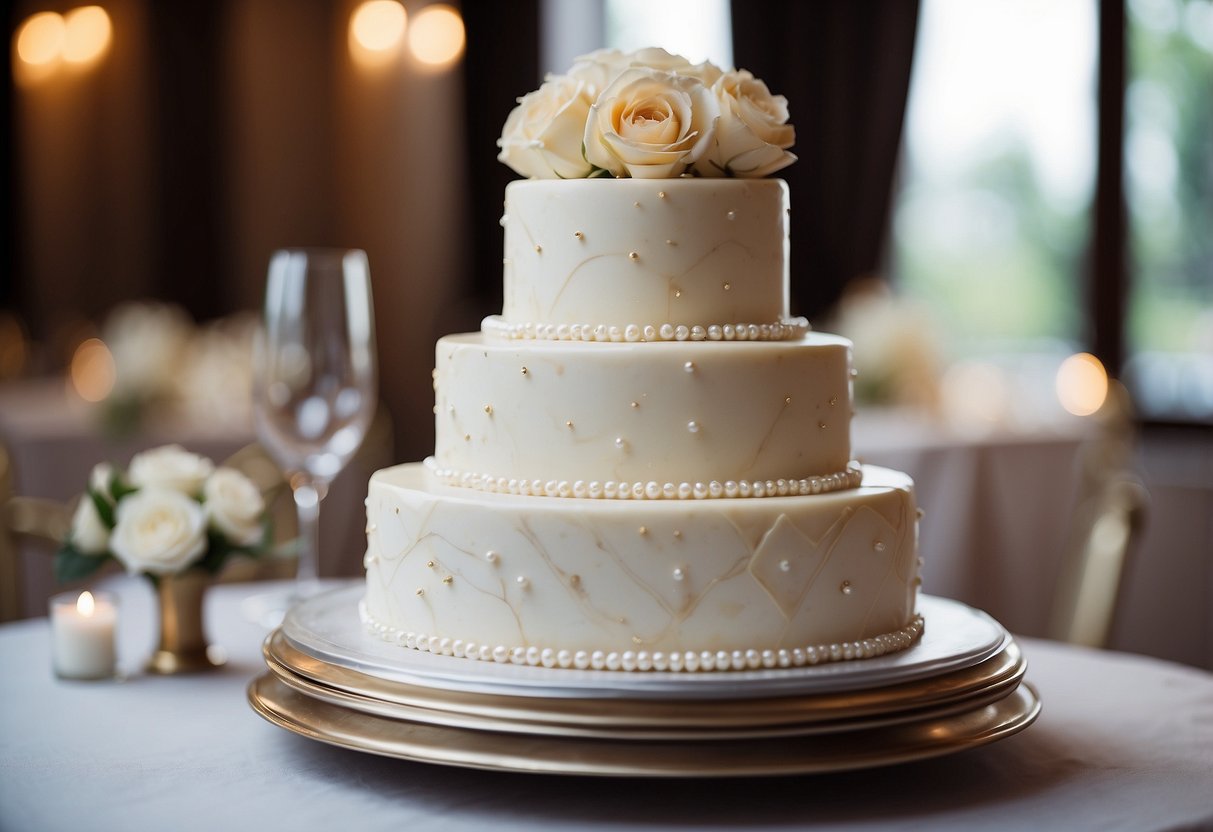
x: 182, y: 647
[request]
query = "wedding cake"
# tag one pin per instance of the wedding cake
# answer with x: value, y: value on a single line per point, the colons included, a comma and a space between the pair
x: 644, y: 463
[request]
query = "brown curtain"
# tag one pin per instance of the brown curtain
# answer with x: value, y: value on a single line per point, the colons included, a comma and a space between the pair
x: 501, y: 64
x: 845, y: 69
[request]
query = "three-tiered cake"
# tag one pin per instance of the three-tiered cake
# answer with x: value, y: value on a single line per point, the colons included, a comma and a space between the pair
x: 644, y: 462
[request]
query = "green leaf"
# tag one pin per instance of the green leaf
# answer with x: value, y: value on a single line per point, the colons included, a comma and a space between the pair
x: 73, y: 565
x: 104, y: 510
x: 120, y: 488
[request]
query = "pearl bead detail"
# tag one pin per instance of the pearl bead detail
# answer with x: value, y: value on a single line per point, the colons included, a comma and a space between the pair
x: 693, y: 426
x: 689, y: 366
x: 523, y: 582
x: 782, y: 330
x: 878, y: 546
x: 633, y: 256
x: 852, y: 477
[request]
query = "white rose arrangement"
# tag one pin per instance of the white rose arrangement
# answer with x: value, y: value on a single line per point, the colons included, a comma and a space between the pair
x: 647, y: 115
x: 171, y: 510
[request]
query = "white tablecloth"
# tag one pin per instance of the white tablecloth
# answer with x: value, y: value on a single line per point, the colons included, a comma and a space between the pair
x: 1123, y: 743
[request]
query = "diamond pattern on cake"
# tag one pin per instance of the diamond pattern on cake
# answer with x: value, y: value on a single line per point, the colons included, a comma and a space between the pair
x: 786, y: 561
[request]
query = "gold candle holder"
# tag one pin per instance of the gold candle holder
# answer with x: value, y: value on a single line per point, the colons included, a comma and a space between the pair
x: 183, y: 647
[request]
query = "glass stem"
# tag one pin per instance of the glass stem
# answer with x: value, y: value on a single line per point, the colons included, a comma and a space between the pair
x: 307, y: 503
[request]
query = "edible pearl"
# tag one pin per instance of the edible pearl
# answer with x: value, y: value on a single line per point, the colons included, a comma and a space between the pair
x: 620, y: 442
x: 491, y: 556
x: 679, y: 574
x: 693, y: 426
x: 846, y: 588
x: 633, y: 256
x: 878, y: 546
x: 785, y: 566
x: 732, y: 215
x: 523, y: 582
x: 689, y: 366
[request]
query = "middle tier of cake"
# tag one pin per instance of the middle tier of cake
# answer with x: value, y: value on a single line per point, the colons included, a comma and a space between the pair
x: 669, y: 419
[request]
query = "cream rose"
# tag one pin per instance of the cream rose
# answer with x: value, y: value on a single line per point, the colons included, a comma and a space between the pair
x: 752, y: 136
x: 233, y: 506
x: 543, y: 134
x: 649, y: 124
x: 88, y: 534
x: 597, y: 70
x: 159, y: 530
x: 170, y: 466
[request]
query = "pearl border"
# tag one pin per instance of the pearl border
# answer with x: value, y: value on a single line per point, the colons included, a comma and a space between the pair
x: 679, y: 661
x: 784, y: 330
x: 852, y: 477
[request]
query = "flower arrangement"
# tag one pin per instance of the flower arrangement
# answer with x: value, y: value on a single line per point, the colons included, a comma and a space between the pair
x: 650, y: 115
x: 171, y: 510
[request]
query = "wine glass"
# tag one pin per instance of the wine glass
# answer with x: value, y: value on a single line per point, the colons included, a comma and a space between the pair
x: 314, y: 390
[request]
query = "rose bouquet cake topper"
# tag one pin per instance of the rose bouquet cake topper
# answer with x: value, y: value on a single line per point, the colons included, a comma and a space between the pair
x: 171, y: 510
x: 647, y: 115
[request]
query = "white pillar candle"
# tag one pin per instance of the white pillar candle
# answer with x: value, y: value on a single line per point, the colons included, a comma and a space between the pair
x: 82, y: 635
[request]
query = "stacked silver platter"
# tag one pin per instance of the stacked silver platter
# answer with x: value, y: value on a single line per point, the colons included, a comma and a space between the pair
x: 960, y: 687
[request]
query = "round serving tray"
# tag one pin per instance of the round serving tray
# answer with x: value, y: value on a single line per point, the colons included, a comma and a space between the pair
x: 327, y: 629
x: 649, y: 718
x: 932, y: 736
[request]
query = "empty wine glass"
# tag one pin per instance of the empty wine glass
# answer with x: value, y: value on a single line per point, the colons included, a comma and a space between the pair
x: 314, y: 390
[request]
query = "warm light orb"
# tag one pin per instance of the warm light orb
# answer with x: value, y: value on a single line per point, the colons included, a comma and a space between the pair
x: 436, y: 38
x: 39, y: 41
x: 85, y: 605
x: 87, y: 35
x: 1082, y: 384
x: 378, y: 25
x: 92, y: 370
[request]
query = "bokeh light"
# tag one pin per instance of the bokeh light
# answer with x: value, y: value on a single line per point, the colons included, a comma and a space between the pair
x: 39, y: 40
x: 377, y: 29
x: 1082, y: 384
x: 436, y: 38
x: 87, y: 35
x: 92, y: 370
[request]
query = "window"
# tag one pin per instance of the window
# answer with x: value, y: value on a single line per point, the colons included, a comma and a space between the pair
x: 991, y: 221
x: 1169, y: 189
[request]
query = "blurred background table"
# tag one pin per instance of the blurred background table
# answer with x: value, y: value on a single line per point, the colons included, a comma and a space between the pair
x: 1123, y: 742
x: 54, y: 439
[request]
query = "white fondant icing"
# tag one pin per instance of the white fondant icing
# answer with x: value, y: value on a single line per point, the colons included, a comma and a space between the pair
x: 756, y: 406
x: 693, y: 265
x: 593, y: 583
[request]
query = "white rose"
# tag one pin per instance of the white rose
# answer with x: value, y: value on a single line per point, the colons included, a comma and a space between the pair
x: 101, y: 479
x: 752, y: 135
x: 543, y: 134
x: 170, y: 466
x: 159, y: 530
x: 88, y: 534
x: 233, y: 506
x: 650, y: 124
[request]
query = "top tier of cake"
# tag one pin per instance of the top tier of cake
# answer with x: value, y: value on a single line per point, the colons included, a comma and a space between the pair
x: 646, y: 253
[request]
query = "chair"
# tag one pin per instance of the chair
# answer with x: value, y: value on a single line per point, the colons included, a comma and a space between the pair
x: 22, y: 517
x: 1108, y: 523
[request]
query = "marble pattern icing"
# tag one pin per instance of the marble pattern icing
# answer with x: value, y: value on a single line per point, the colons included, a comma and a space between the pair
x: 588, y: 575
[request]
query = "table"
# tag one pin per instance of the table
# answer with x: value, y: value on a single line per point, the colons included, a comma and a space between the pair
x: 1124, y: 742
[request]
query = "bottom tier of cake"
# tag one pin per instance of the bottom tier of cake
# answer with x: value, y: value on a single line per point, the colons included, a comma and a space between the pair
x: 678, y: 585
